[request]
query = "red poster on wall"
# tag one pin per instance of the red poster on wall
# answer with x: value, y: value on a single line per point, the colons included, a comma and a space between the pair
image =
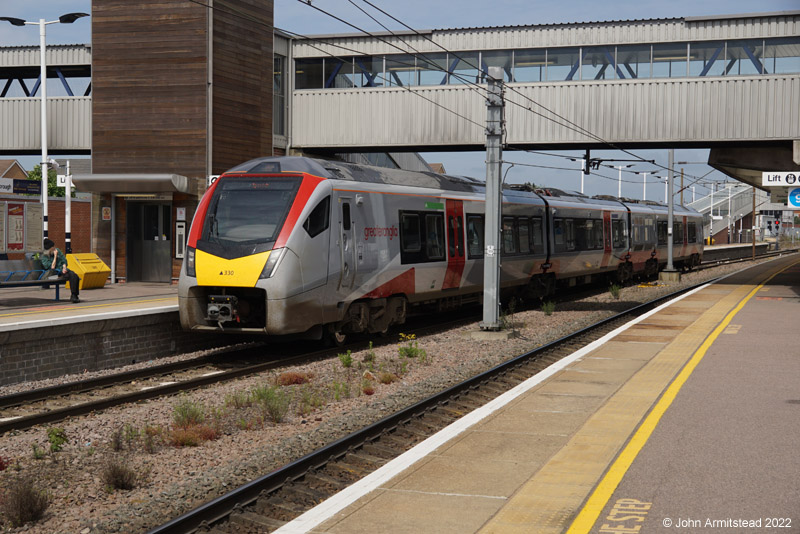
x: 16, y: 227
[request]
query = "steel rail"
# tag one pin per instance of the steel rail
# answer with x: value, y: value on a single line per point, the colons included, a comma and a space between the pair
x: 222, y: 506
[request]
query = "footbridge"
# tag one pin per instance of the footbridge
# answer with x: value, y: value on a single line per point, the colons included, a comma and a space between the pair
x: 728, y: 83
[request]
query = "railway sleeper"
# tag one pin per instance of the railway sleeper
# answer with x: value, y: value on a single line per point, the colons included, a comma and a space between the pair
x: 305, y: 490
x: 361, y: 457
x: 258, y: 522
x: 379, y: 450
x: 278, y: 508
x: 322, y: 482
x: 346, y: 471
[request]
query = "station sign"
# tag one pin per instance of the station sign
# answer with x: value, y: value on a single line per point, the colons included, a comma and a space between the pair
x: 794, y: 197
x: 781, y: 179
x: 27, y: 187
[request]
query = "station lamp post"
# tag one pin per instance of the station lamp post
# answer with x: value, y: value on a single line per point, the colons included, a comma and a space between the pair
x: 69, y: 18
x: 644, y: 181
x: 619, y: 180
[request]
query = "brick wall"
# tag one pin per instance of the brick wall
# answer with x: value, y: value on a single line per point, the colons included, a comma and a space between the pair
x: 39, y: 353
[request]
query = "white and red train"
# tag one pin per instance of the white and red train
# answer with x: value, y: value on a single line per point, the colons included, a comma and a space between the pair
x: 288, y: 245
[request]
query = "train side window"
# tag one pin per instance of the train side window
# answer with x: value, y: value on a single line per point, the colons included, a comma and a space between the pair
x: 537, y: 240
x: 524, y: 226
x: 662, y: 232
x: 569, y: 233
x: 677, y: 237
x: 434, y: 241
x: 509, y: 237
x: 617, y: 233
x: 583, y: 234
x: 598, y: 234
x: 451, y: 236
x: 475, y: 234
x: 459, y: 236
x: 346, y: 216
x: 564, y: 234
x: 319, y: 218
x: 409, y: 232
x: 649, y: 230
x: 692, y: 232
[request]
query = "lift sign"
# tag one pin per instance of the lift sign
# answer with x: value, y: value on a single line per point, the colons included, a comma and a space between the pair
x: 794, y: 197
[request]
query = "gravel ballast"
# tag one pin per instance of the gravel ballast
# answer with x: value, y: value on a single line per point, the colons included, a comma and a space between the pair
x: 173, y: 480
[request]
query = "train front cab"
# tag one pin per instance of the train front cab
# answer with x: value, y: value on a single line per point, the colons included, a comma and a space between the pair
x: 243, y: 271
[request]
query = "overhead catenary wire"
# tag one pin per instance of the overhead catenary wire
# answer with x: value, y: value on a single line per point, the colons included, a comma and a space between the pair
x: 472, y: 85
x: 245, y: 16
x: 577, y: 127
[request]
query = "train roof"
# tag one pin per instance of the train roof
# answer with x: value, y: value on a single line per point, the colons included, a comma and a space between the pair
x: 338, y: 170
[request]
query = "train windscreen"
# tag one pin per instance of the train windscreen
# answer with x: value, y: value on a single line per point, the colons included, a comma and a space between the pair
x: 247, y: 211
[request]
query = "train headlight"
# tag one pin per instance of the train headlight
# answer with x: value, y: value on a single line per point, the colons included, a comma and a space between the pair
x: 190, y: 262
x: 273, y: 261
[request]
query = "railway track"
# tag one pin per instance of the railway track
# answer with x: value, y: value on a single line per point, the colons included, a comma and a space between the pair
x: 52, y: 404
x: 48, y: 405
x: 267, y: 503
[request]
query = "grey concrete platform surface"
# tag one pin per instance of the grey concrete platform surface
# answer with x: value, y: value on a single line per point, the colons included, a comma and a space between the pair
x: 725, y: 457
x: 20, y: 307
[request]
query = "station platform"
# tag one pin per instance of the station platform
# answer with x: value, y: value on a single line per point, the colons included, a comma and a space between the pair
x: 34, y: 307
x: 115, y: 325
x: 684, y: 419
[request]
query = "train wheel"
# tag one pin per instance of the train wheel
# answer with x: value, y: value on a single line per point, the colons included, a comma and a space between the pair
x: 334, y: 337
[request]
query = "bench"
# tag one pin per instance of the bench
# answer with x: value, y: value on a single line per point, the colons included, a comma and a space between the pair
x: 25, y: 273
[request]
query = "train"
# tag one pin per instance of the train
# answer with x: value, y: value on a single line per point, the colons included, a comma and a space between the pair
x: 322, y: 249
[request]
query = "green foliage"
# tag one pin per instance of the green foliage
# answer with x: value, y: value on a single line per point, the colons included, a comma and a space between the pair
x: 615, y: 290
x: 38, y: 452
x: 310, y: 399
x: 23, y: 502
x: 57, y: 438
x: 411, y: 349
x: 118, y: 475
x: 188, y: 413
x: 507, y: 321
x: 239, y: 399
x: 273, y: 401
x: 548, y: 307
x: 346, y: 358
x: 341, y: 390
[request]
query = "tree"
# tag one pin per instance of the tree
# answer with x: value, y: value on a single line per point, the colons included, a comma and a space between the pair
x: 52, y: 181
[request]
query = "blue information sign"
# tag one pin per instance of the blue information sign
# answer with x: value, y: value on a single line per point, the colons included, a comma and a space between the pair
x: 794, y: 197
x: 27, y: 187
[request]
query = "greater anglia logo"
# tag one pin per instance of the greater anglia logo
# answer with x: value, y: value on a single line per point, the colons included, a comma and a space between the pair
x: 390, y: 232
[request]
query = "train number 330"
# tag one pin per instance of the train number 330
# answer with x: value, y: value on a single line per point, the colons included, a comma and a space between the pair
x: 226, y: 272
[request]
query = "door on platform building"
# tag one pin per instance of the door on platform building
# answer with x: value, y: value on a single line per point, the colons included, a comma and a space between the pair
x: 149, y: 242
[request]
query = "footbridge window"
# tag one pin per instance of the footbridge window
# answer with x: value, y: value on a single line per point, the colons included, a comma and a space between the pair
x: 742, y: 57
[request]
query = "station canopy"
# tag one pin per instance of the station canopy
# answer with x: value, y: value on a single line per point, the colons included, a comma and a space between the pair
x: 131, y: 183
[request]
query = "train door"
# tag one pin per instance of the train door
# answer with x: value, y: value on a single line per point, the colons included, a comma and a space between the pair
x: 606, y: 239
x: 347, y: 246
x: 455, y: 244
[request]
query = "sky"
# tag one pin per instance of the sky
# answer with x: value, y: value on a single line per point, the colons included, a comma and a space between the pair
x: 297, y: 16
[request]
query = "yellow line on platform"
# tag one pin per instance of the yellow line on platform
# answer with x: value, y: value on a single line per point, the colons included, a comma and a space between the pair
x: 57, y: 308
x: 594, y: 506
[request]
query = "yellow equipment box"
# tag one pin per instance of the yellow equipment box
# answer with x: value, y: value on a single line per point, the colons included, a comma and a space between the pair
x: 90, y: 268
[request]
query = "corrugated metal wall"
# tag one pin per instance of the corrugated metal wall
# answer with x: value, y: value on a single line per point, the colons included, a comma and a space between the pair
x: 59, y: 55
x: 687, y: 110
x: 578, y: 34
x: 69, y: 121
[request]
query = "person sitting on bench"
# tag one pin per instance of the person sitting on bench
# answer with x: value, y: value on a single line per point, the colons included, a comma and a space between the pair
x: 53, y: 260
